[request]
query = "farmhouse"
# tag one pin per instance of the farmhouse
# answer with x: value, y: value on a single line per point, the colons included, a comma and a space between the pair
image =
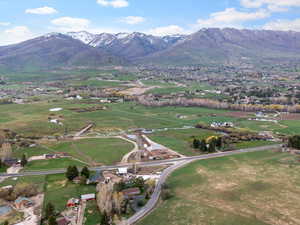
x: 122, y: 171
x: 72, y: 202
x: 131, y: 192
x: 88, y: 197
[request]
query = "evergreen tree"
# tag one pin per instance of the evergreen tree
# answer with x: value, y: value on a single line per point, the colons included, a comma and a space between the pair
x: 203, y: 146
x: 219, y: 142
x: 196, y: 143
x: 24, y: 160
x: 212, y: 145
x: 72, y: 172
x: 85, y: 172
x: 50, y: 210
x: 52, y: 220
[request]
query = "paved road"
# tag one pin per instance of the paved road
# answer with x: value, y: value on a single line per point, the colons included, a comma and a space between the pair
x: 144, y: 164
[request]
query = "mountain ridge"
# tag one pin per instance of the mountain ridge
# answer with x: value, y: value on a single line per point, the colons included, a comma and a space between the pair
x: 211, y: 46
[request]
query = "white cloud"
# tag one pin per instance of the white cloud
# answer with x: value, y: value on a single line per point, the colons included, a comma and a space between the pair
x: 132, y: 20
x: 42, y: 11
x: 113, y: 3
x: 15, y: 35
x: 230, y: 17
x: 167, y: 30
x: 65, y: 24
x: 273, y: 3
x: 284, y: 25
x: 4, y: 23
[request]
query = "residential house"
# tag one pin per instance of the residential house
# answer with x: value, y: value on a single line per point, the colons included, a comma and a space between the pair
x: 23, y: 202
x: 131, y: 192
x: 5, y: 210
x: 72, y: 202
x: 88, y: 197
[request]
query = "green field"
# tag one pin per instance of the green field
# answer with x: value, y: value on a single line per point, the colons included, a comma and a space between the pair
x: 98, y: 150
x: 181, y: 140
x: 92, y: 214
x: 32, y: 119
x: 52, y: 164
x: 92, y: 151
x: 58, y: 190
x: 260, y: 188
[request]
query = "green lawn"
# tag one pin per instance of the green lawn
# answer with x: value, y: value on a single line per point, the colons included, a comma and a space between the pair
x: 58, y: 191
x: 253, y: 144
x: 260, y: 188
x: 92, y: 214
x: 38, y: 180
x: 62, y: 163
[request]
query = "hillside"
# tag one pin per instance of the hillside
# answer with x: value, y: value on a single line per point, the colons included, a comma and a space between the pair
x: 205, y: 47
x: 231, y: 46
x: 53, y: 51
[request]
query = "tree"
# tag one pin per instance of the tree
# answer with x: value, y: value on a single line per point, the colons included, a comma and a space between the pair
x: 72, y: 172
x: 212, y: 145
x: 85, y: 172
x: 294, y: 142
x: 52, y: 220
x: 196, y: 143
x: 24, y: 160
x: 105, y: 219
x: 139, y: 182
x: 50, y: 210
x: 5, y: 222
x: 203, y: 146
x: 219, y: 142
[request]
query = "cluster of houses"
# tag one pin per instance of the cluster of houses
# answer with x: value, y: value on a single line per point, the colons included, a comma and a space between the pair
x: 222, y: 124
x: 9, y: 209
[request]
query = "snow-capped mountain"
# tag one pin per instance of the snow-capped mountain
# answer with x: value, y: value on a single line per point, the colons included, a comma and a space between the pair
x: 207, y: 46
x: 82, y: 36
x: 129, y: 45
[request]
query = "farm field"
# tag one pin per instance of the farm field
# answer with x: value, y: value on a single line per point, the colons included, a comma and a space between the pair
x: 33, y: 119
x: 260, y: 188
x: 92, y: 151
x: 97, y: 150
x: 52, y: 164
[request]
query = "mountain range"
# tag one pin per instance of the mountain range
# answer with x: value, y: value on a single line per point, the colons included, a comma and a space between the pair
x: 206, y: 47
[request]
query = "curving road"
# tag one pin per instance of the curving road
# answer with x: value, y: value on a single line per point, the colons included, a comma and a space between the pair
x: 145, y: 164
x: 156, y: 194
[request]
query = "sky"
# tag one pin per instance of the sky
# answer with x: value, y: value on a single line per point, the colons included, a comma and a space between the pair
x: 24, y: 19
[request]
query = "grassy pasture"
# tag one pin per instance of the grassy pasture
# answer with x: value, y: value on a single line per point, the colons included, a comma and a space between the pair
x: 251, y: 189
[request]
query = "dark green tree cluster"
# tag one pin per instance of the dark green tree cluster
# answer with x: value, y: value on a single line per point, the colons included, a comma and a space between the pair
x: 50, y: 214
x: 24, y: 160
x: 105, y: 219
x: 294, y: 142
x: 211, y: 146
x: 85, y: 172
x: 72, y: 172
